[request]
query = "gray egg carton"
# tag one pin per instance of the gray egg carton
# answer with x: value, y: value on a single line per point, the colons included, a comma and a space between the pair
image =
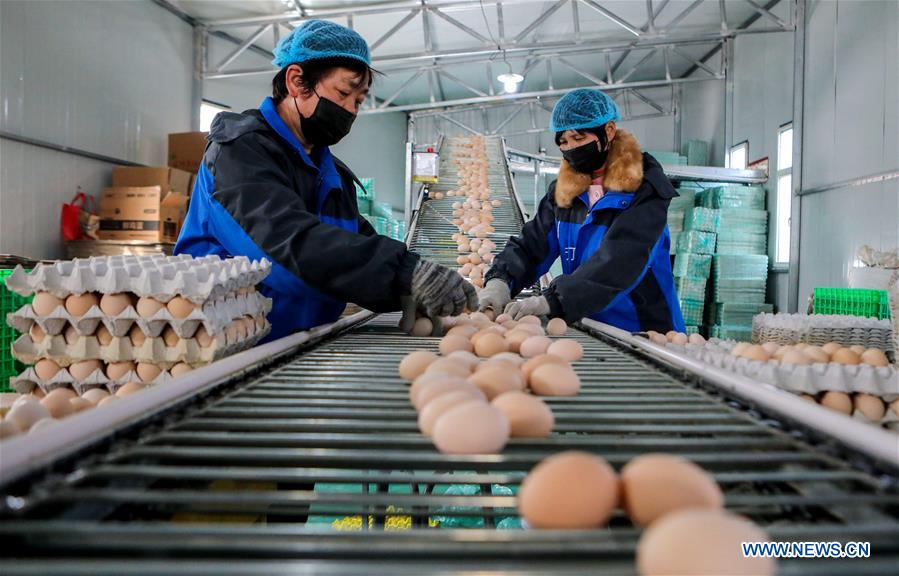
x: 121, y: 349
x: 214, y: 315
x: 157, y: 276
x: 819, y: 329
x: 27, y: 381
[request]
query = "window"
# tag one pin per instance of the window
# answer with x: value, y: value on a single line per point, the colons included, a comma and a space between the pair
x: 784, y: 194
x: 738, y: 156
x: 208, y: 111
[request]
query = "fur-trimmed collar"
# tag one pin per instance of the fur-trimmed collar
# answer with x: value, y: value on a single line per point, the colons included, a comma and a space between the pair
x: 624, y: 171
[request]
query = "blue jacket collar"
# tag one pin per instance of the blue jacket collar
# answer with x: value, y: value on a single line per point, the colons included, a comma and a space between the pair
x: 270, y: 113
x: 619, y: 200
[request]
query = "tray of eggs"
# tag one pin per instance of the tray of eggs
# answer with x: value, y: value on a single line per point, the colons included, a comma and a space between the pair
x: 155, y: 276
x: 486, y: 381
x: 83, y: 375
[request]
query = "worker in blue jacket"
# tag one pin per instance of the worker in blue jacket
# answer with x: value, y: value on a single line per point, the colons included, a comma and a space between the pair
x: 269, y: 187
x: 605, y: 217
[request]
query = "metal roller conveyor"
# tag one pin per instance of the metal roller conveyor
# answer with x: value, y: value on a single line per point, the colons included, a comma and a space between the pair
x: 303, y: 456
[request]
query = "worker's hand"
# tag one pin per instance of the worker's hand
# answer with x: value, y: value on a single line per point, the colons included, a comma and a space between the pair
x: 533, y: 306
x: 495, y: 296
x: 437, y: 291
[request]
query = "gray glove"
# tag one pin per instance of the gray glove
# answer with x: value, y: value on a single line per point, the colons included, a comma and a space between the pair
x: 494, y: 296
x: 533, y: 306
x: 437, y: 291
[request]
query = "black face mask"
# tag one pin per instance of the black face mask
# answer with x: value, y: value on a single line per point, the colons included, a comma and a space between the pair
x: 586, y: 158
x: 328, y: 124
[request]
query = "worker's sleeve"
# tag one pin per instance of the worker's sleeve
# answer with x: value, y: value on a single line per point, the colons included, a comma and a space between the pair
x: 619, y: 264
x: 529, y: 255
x: 365, y: 227
x: 370, y: 270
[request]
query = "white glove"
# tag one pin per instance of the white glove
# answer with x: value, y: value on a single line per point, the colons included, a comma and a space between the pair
x: 494, y: 296
x: 533, y: 306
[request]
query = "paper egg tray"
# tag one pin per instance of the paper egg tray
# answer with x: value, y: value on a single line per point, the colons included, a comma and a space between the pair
x: 215, y: 315
x: 157, y: 276
x: 122, y: 350
x: 809, y: 379
x: 819, y: 329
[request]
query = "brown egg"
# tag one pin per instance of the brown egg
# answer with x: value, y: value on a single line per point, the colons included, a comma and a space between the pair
x: 415, y: 363
x: 808, y: 398
x: 78, y: 304
x: 669, y: 336
x: 422, y: 327
x: 531, y: 320
x: 137, y: 336
x: 37, y: 334
x: 701, y: 542
x: 556, y: 327
x: 467, y: 358
x: 8, y: 429
x: 858, y: 349
x: 739, y: 348
x: 103, y: 335
x: 817, y: 354
x: 436, y: 407
x: 25, y: 415
x: 845, y: 356
x: 771, y: 348
x: 569, y: 491
x: 239, y: 328
x: 449, y: 366
x: 838, y: 401
x: 870, y: 406
x: 874, y: 357
x: 894, y: 406
x: 57, y: 402
x: 45, y: 303
x: 528, y: 367
x: 503, y: 318
x: 454, y: 343
x: 471, y: 428
x: 654, y: 485
x: 179, y: 369
x: 79, y: 404
x: 680, y: 338
x: 570, y: 350
x: 464, y: 330
x: 801, y: 345
x: 755, y: 352
x: 554, y: 380
x: 115, y: 304
x: 490, y: 344
x: 70, y: 334
x: 116, y: 370
x: 508, y: 357
x: 260, y: 322
x: 46, y: 369
x: 41, y: 424
x: 107, y: 400
x: 436, y: 388
x: 204, y: 340
x: 534, y: 346
x: 529, y: 416
x: 82, y: 370
x: 171, y: 338
x: 831, y: 347
x: 793, y: 356
x: 129, y: 389
x: 515, y: 338
x: 658, y: 339
x: 461, y: 260
x: 492, y: 329
x: 496, y: 379
x: 36, y: 392
x: 94, y: 395
x: 147, y: 372
x: 696, y: 339
x: 148, y: 307
x: 427, y: 379
x: 533, y: 329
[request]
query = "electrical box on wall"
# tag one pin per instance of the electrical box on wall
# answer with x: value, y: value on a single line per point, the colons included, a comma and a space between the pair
x: 425, y: 166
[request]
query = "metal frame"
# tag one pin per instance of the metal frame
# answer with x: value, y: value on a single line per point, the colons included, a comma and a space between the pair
x: 798, y: 142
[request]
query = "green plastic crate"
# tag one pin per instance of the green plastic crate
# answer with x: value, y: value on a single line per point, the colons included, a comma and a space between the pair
x: 9, y: 302
x: 696, y: 151
x: 692, y: 329
x: 690, y: 264
x: 692, y: 311
x: 690, y: 287
x: 696, y: 242
x: 368, y: 189
x: 733, y: 196
x: 852, y: 302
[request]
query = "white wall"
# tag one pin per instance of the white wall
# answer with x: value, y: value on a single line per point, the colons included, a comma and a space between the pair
x: 851, y: 130
x: 702, y: 116
x: 112, y: 78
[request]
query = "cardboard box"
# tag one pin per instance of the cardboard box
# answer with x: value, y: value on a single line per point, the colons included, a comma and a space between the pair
x: 130, y: 213
x: 186, y: 150
x: 168, y: 179
x: 172, y: 212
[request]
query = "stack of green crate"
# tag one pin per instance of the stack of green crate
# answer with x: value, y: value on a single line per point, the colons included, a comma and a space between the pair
x: 365, y: 195
x: 9, y: 302
x: 692, y: 266
x: 679, y: 212
x: 696, y: 152
x: 739, y: 285
x: 733, y: 196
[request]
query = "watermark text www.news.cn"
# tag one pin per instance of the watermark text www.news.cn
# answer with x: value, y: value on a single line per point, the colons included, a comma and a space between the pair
x: 806, y: 549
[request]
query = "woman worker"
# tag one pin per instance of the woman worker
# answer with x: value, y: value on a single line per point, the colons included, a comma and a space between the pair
x: 269, y: 187
x: 605, y: 217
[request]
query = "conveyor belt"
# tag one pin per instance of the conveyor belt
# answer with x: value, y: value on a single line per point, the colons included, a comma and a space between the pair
x: 257, y: 477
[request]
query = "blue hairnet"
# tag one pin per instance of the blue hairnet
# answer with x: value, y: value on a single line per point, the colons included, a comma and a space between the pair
x: 583, y: 108
x: 317, y: 39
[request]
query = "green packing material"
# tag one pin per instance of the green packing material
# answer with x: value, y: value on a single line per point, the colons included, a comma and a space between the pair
x: 692, y: 329
x: 674, y: 236
x: 749, y: 266
x: 703, y: 219
x: 364, y: 205
x: 743, y: 219
x: 736, y: 313
x: 381, y: 209
x: 696, y: 241
x: 690, y: 287
x: 739, y: 333
x: 733, y: 196
x: 692, y: 311
x: 369, y: 188
x: 696, y: 151
x: 685, y: 198
x: 689, y: 264
x: 739, y: 242
x: 445, y: 518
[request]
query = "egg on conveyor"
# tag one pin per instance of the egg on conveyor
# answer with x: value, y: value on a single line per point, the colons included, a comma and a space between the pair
x: 440, y: 386
x: 94, y: 395
x: 556, y: 327
x: 569, y: 490
x: 529, y: 416
x: 534, y: 346
x: 78, y: 304
x: 568, y: 349
x: 471, y: 428
x: 468, y: 359
x: 530, y: 320
x: 554, y: 380
x: 530, y: 365
x: 179, y: 369
x: 449, y: 366
x: 497, y: 379
x: 490, y: 344
x: 654, y: 485
x: 115, y: 304
x: 57, y: 402
x: 147, y: 307
x: 129, y: 389
x: 436, y: 407
x: 45, y: 303
x: 422, y: 327
x: 701, y: 542
x: 24, y: 415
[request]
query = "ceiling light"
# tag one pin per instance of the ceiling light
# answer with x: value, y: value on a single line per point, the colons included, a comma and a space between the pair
x: 510, y: 82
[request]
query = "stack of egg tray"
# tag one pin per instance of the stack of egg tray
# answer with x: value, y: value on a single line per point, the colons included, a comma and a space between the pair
x: 692, y: 329
x: 736, y: 313
x: 732, y: 196
x: 225, y: 304
x: 690, y: 287
x: 679, y: 211
x: 696, y: 241
x: 743, y: 220
x: 738, y: 333
x: 741, y: 242
x: 696, y: 151
x: 9, y: 302
x: 703, y: 219
x: 819, y: 329
x: 693, y: 311
x: 692, y: 265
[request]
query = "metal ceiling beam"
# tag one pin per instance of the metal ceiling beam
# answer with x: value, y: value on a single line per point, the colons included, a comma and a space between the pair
x: 394, y: 29
x: 766, y: 13
x: 686, y: 12
x: 468, y: 30
x: 540, y: 20
x: 243, y: 47
x: 613, y: 17
x: 645, y: 28
x: 462, y: 83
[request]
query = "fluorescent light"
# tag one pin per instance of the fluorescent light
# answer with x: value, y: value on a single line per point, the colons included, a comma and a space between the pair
x: 510, y: 81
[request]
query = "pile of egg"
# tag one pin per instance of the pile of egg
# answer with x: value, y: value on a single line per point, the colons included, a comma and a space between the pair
x: 677, y: 503
x: 484, y: 385
x: 36, y: 411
